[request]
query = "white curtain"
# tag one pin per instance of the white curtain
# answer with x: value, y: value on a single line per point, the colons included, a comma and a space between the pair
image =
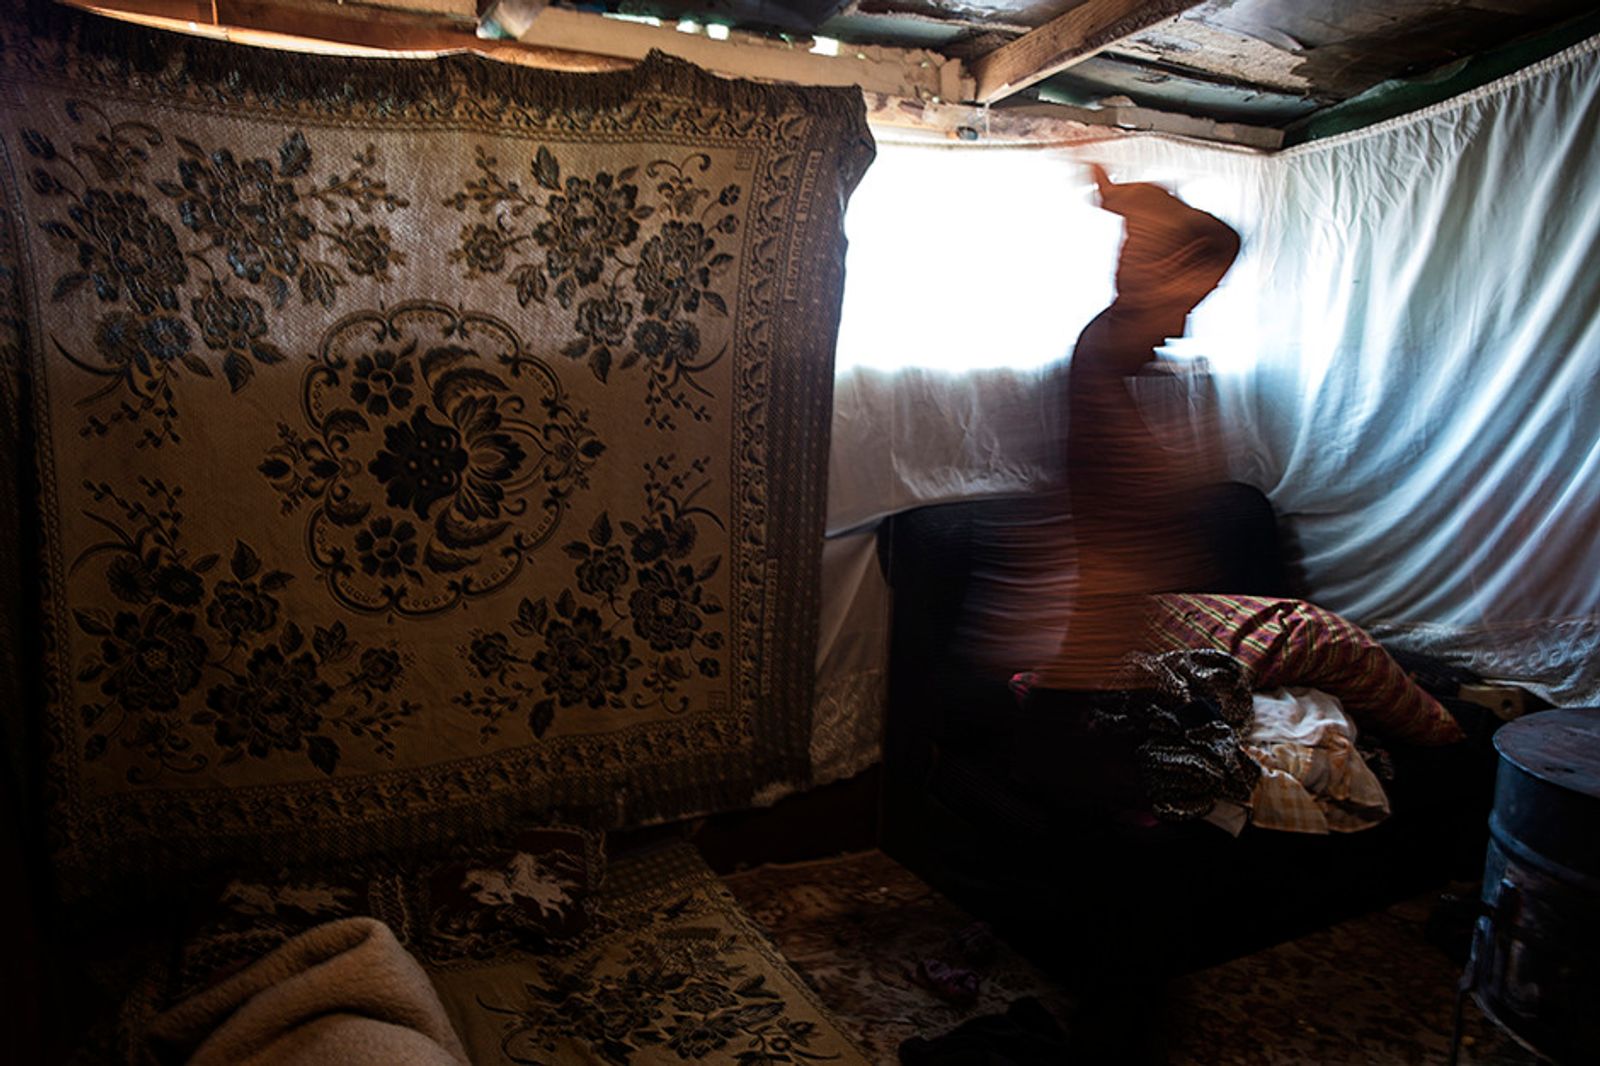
x: 1406, y: 356
x: 1423, y: 402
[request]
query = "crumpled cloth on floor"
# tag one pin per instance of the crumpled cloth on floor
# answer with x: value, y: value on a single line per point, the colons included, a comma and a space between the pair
x: 1313, y: 780
x: 345, y: 992
x: 1025, y: 1035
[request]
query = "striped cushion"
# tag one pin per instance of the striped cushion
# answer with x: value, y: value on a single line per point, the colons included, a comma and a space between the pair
x: 1291, y: 642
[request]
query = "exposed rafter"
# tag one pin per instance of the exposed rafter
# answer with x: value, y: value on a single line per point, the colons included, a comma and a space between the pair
x: 1089, y: 28
x: 1130, y: 118
x: 327, y: 28
x: 911, y: 73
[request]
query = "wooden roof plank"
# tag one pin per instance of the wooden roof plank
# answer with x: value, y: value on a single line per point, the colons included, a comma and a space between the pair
x: 1070, y: 38
x: 557, y: 38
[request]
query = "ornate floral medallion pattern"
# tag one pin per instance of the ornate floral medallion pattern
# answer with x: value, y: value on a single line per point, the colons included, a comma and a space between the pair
x: 430, y: 479
x: 420, y: 444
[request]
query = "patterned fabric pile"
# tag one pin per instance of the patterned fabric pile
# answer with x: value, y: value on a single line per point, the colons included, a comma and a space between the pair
x: 1187, y: 712
x: 417, y: 444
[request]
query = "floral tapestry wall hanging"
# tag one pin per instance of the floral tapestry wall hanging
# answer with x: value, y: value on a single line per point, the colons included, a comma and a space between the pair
x: 418, y: 444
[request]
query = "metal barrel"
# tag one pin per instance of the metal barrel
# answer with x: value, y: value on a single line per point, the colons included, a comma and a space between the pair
x: 1535, y: 966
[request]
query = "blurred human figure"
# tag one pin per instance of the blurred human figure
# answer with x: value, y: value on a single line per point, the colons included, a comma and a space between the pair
x: 1132, y: 500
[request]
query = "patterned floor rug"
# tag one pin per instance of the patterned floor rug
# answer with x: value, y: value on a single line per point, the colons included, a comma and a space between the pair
x: 857, y: 926
x: 1370, y: 991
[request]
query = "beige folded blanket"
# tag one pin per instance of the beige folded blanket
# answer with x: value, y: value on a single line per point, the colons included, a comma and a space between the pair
x: 345, y: 992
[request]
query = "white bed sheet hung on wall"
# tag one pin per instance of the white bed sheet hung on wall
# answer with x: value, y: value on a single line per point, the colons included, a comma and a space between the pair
x: 1423, y: 406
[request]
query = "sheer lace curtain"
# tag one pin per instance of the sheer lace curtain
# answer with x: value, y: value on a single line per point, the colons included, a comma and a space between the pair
x: 1406, y: 357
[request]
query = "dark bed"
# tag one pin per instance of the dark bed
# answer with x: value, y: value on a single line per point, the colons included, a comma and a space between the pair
x: 1021, y: 815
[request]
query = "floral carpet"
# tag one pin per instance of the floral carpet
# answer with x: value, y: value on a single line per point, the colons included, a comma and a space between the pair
x: 1371, y: 990
x: 855, y: 927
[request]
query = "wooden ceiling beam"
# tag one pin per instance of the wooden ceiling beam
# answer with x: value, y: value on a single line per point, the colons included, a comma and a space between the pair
x: 1087, y: 29
x: 906, y: 72
x: 557, y: 38
x: 1130, y: 118
x: 337, y: 28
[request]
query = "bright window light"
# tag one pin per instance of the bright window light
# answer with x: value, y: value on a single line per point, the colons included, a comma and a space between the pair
x: 967, y: 258
x: 975, y: 257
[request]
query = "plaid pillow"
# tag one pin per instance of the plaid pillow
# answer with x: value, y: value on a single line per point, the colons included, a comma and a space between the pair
x: 1291, y: 642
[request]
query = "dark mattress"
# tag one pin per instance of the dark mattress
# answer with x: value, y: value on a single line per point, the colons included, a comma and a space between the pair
x: 1024, y: 816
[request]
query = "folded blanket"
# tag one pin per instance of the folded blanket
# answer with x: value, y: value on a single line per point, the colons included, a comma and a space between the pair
x: 345, y: 992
